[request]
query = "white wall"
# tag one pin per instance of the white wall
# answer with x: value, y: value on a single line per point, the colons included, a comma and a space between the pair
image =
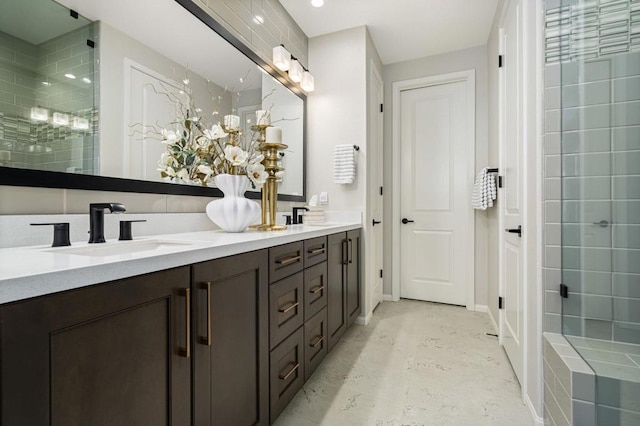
x: 473, y: 58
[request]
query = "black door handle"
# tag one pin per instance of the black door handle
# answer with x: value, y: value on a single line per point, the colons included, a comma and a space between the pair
x: 405, y: 221
x: 517, y: 230
x: 375, y: 222
x: 603, y: 223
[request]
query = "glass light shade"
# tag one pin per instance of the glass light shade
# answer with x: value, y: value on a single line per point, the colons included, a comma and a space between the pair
x: 60, y: 119
x: 281, y: 58
x: 80, y: 123
x: 307, y: 83
x: 39, y: 114
x: 295, y: 72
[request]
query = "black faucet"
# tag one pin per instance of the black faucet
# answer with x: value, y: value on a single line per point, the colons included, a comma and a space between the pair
x: 96, y: 219
x: 298, y: 219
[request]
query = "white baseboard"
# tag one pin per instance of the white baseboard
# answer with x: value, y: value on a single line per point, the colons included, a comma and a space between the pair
x: 387, y: 298
x: 364, y: 319
x: 481, y: 308
x: 539, y: 421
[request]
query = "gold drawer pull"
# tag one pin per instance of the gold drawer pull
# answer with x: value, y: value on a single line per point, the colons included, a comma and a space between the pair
x: 317, y: 289
x: 288, y: 260
x: 316, y: 251
x: 288, y: 308
x: 317, y: 341
x: 293, y: 370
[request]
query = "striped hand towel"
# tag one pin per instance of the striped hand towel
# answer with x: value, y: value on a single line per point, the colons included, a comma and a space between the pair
x: 344, y: 164
x: 484, y: 190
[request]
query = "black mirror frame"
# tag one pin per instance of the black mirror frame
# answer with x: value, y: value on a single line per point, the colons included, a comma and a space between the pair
x: 45, y: 179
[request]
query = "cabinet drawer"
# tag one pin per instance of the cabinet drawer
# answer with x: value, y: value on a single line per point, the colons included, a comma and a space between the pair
x: 315, y: 289
x: 315, y: 251
x: 287, y: 371
x: 286, y: 307
x: 315, y: 340
x: 285, y: 260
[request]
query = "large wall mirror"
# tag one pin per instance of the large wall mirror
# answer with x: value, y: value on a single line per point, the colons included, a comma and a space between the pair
x: 84, y: 88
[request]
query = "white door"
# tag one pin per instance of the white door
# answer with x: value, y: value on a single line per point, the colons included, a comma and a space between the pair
x: 511, y: 195
x: 375, y: 187
x: 149, y: 112
x: 436, y: 235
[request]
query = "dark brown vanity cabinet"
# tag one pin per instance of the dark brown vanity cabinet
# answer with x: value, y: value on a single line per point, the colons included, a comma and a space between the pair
x: 343, y: 263
x: 231, y: 341
x: 109, y: 354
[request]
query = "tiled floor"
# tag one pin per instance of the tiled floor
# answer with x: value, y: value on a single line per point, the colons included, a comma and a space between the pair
x: 416, y: 363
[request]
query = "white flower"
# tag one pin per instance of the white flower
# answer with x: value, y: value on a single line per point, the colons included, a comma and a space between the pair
x: 257, y: 174
x: 170, y: 172
x: 257, y: 159
x: 169, y: 136
x: 235, y: 155
x: 204, y: 169
x: 183, y: 174
x: 216, y: 132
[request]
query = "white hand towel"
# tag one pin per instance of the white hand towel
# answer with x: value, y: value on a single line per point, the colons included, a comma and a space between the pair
x: 344, y: 164
x: 484, y: 190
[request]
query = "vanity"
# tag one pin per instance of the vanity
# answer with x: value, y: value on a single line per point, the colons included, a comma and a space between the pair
x: 226, y: 333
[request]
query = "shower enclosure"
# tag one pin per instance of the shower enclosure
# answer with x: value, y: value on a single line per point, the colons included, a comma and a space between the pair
x: 598, y: 49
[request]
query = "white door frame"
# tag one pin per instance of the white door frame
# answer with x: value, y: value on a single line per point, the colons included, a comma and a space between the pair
x: 468, y: 76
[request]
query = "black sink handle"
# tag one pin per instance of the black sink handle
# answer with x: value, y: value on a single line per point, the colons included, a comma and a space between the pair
x: 405, y: 220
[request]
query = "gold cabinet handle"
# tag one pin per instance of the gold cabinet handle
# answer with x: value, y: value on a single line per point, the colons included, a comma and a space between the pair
x: 316, y: 251
x: 186, y: 351
x: 206, y: 340
x: 288, y: 308
x: 294, y: 367
x: 316, y: 341
x: 288, y: 260
x: 316, y: 289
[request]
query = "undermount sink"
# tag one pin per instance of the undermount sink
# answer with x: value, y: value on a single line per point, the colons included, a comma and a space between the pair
x: 121, y: 248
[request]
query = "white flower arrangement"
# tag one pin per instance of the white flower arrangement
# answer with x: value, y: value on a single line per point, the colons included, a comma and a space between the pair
x: 196, y: 153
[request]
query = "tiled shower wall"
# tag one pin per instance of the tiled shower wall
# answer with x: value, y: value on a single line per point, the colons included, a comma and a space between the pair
x: 32, y: 76
x: 592, y: 117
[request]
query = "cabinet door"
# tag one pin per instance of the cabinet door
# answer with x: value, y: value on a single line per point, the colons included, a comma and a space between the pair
x: 337, y: 289
x: 110, y: 354
x: 286, y: 308
x: 353, y: 275
x: 315, y: 289
x: 287, y: 372
x: 231, y: 348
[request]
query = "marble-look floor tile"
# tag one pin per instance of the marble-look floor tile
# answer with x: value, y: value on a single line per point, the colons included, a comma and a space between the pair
x: 416, y: 363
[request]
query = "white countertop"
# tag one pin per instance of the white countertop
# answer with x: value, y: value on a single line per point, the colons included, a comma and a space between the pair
x: 27, y: 272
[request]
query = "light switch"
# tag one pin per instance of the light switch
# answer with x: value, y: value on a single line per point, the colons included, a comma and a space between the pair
x: 324, y: 198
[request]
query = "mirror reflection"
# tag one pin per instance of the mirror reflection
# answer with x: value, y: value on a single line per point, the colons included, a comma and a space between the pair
x: 87, y: 92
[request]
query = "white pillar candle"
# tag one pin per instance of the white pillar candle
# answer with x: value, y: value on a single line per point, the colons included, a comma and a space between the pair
x: 263, y: 117
x: 274, y: 135
x: 232, y: 122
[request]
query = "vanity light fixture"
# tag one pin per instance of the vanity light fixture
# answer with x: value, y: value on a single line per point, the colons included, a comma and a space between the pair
x: 317, y: 3
x: 60, y: 119
x: 39, y: 114
x: 295, y: 72
x: 70, y: 76
x: 307, y: 84
x: 281, y: 58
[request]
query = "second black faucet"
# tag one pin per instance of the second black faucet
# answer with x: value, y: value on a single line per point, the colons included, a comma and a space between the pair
x: 96, y: 219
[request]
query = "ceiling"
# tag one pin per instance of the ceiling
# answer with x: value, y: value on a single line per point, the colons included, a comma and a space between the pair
x: 402, y: 29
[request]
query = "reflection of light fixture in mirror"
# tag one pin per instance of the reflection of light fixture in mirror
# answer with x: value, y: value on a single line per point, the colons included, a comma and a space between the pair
x: 80, y: 123
x: 307, y: 83
x: 39, y: 114
x: 70, y: 76
x: 60, y: 119
x: 86, y: 80
x: 46, y: 83
x: 281, y: 58
x: 295, y: 72
x: 317, y: 3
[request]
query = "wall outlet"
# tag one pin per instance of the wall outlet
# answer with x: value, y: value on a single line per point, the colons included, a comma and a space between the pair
x: 324, y: 199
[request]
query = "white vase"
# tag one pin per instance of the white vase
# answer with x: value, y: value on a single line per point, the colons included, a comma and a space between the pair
x: 233, y: 213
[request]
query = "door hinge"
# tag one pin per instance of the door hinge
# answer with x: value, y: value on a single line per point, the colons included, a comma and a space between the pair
x: 499, y: 61
x: 381, y: 107
x: 500, y: 302
x: 380, y: 273
x: 499, y: 181
x: 380, y: 190
x: 564, y: 291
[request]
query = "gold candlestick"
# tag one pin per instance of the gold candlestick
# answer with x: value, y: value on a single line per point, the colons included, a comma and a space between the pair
x: 270, y: 162
x: 233, y: 141
x: 264, y: 201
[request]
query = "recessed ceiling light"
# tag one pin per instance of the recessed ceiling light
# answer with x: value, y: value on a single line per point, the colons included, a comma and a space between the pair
x: 258, y: 19
x: 46, y: 83
x: 317, y: 3
x: 70, y: 76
